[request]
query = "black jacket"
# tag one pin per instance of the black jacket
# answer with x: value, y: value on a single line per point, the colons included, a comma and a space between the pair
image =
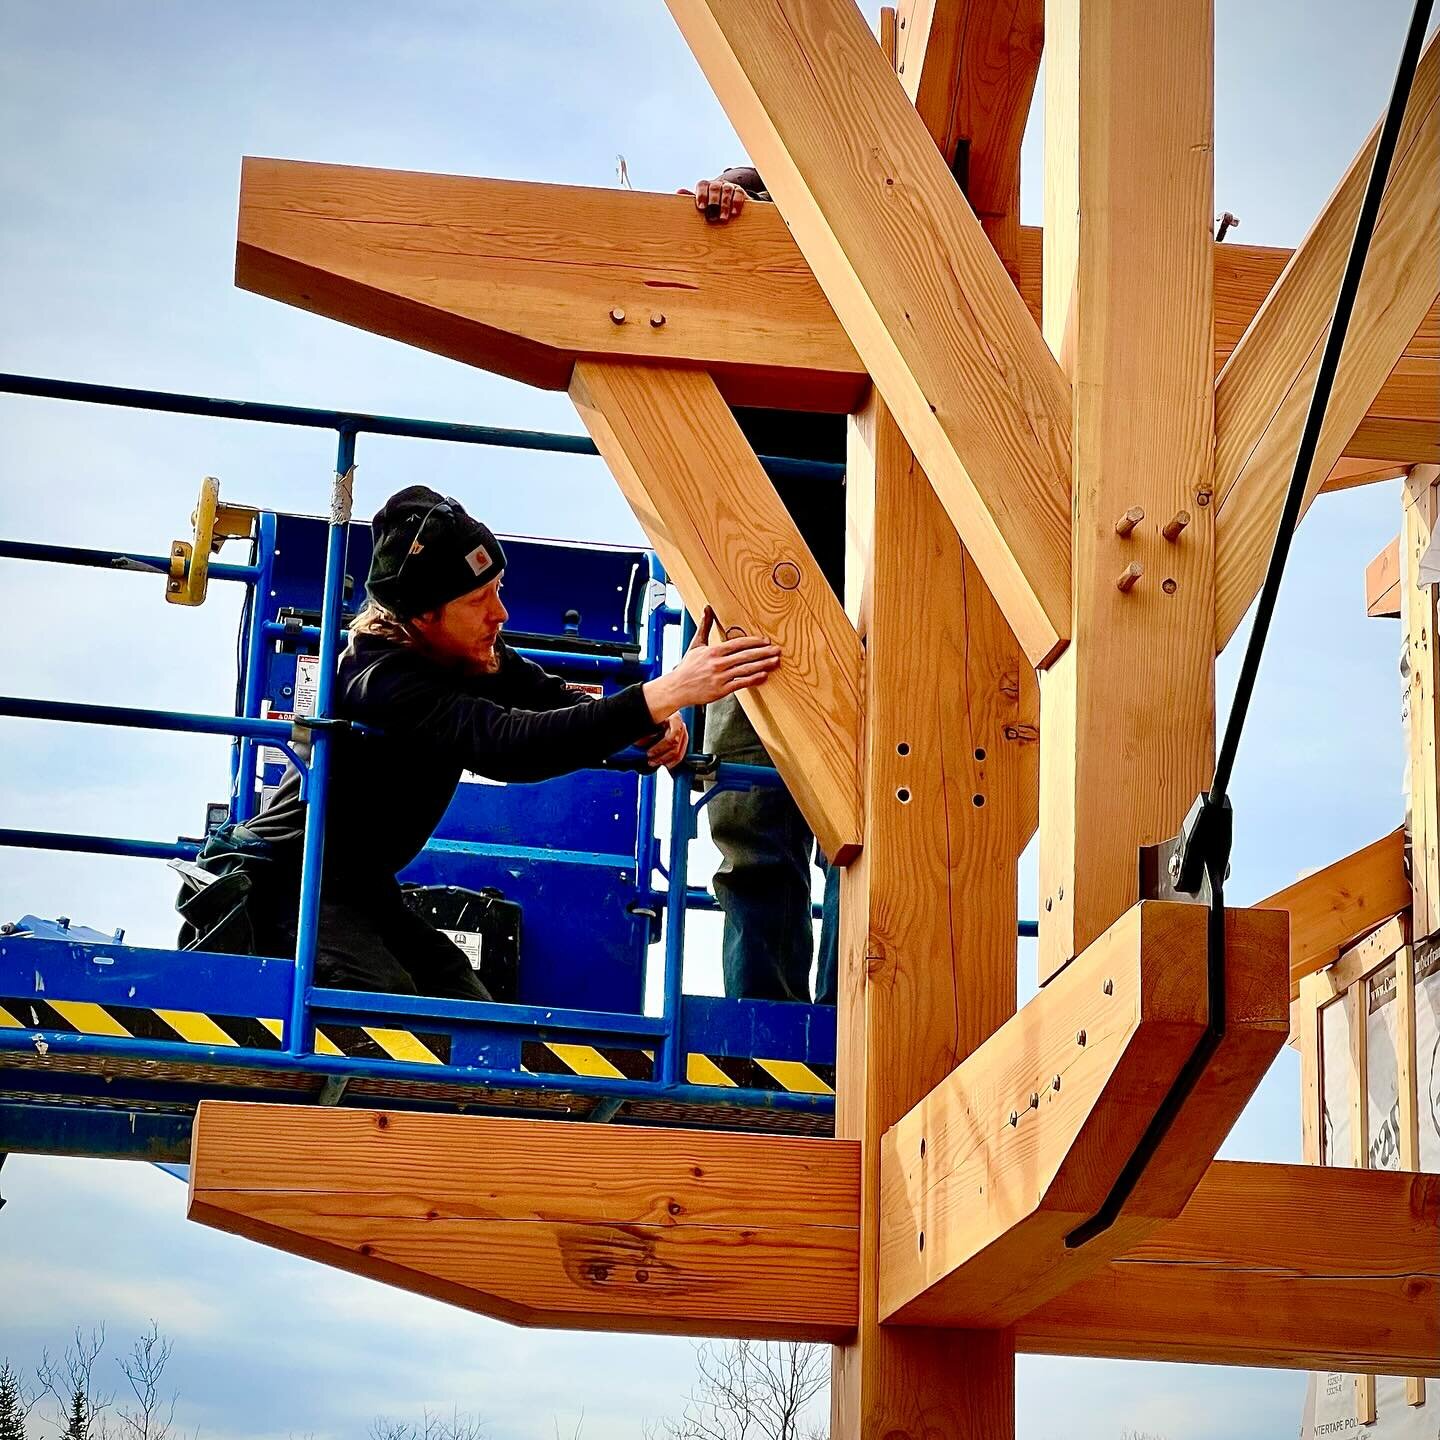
x: 388, y: 791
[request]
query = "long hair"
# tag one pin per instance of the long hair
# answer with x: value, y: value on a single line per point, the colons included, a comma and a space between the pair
x: 375, y: 619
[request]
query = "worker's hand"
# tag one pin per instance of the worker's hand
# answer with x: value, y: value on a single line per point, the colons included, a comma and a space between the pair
x: 669, y: 750
x: 718, y: 200
x: 708, y: 672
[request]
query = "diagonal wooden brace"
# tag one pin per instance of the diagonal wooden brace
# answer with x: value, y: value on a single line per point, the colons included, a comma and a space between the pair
x: 727, y: 541
x: 983, y: 1181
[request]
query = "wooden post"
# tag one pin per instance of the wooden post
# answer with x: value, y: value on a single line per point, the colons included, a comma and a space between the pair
x: 1422, y: 653
x: 1409, y: 1099
x: 1360, y: 1142
x: 1127, y: 715
x: 928, y: 911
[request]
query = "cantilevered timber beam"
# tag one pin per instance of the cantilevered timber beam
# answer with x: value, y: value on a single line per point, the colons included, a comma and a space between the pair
x: 910, y: 273
x: 524, y: 279
x: 727, y: 541
x: 1264, y: 390
x: 928, y: 911
x: 969, y: 66
x: 1275, y: 1265
x: 983, y: 1181
x: 1348, y: 474
x: 1332, y: 908
x: 1382, y: 584
x: 1128, y: 714
x: 588, y: 1227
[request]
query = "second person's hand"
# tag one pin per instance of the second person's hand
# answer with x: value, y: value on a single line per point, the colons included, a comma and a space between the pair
x: 708, y: 672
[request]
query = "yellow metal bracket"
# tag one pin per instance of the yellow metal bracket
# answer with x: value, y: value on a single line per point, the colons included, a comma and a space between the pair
x: 212, y: 525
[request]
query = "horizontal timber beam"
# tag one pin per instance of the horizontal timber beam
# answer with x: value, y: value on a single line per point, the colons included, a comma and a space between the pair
x: 1332, y: 908
x: 522, y: 279
x: 538, y: 1222
x: 1263, y: 394
x: 984, y: 1179
x: 525, y: 279
x: 1277, y: 1265
x: 727, y: 541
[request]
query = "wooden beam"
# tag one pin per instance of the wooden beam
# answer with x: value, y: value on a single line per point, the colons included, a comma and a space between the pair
x: 985, y: 1178
x: 588, y: 1227
x: 1264, y: 390
x: 1359, y: 1017
x: 1333, y: 907
x: 1274, y: 1265
x: 923, y: 296
x: 525, y: 279
x: 1407, y: 1086
x: 1382, y: 583
x: 928, y: 911
x: 969, y: 67
x: 522, y: 279
x: 1421, y: 621
x: 1349, y: 473
x: 727, y: 541
x: 1128, y: 719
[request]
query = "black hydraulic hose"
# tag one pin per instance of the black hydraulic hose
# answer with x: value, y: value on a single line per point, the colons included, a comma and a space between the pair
x: 1320, y: 397
x: 1216, y: 849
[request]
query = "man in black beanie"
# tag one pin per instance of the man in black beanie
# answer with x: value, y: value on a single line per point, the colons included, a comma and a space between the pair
x: 427, y: 672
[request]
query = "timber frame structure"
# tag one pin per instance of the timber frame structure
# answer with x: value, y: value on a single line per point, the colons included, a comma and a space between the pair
x: 1045, y: 463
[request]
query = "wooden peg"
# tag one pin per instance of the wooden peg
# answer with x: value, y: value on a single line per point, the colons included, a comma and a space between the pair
x: 1173, y: 527
x: 617, y: 316
x: 1129, y: 520
x: 1131, y: 573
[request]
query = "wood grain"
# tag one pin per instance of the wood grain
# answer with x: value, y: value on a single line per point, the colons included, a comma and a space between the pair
x: 1382, y: 584
x: 913, y: 279
x: 726, y: 540
x: 1127, y: 724
x: 1274, y: 1265
x: 1263, y: 393
x: 545, y: 1223
x: 1333, y: 907
x: 994, y: 1197
x: 522, y: 279
x: 928, y: 911
x: 969, y: 67
x: 1420, y: 620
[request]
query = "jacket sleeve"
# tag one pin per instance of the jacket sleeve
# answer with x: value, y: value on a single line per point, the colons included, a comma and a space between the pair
x: 410, y: 698
x: 531, y: 687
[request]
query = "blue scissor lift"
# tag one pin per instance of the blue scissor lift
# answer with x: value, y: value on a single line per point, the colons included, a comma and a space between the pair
x: 106, y: 1048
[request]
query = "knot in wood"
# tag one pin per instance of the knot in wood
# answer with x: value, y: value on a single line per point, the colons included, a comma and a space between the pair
x: 786, y: 575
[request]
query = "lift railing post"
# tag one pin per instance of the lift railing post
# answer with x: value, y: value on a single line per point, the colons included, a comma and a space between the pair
x: 682, y: 822
x: 299, y: 1036
x: 243, y: 806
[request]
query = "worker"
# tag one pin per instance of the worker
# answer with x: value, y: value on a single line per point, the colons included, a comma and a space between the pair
x: 763, y: 884
x: 440, y: 692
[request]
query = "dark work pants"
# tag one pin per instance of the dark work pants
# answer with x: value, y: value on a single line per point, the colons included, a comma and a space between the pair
x: 763, y: 883
x: 371, y: 940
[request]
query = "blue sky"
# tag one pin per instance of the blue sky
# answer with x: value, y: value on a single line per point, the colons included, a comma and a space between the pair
x: 123, y: 128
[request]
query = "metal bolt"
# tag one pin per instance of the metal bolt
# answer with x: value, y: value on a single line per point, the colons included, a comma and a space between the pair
x: 1129, y: 520
x: 656, y: 320
x: 1108, y: 987
x: 1128, y: 576
x: 617, y: 315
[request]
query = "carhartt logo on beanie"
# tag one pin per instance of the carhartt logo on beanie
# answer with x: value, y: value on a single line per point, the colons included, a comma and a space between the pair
x: 427, y: 552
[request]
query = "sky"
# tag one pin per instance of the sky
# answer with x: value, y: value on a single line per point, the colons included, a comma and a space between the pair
x: 121, y: 133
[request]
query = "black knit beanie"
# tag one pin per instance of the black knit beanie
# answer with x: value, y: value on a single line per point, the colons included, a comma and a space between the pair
x: 427, y: 552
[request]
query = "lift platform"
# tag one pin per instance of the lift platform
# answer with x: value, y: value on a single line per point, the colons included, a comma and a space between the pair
x: 106, y: 1048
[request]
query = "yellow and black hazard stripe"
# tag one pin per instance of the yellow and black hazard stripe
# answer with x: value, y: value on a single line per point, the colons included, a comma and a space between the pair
x: 194, y: 1027
x: 721, y: 1071
x: 796, y: 1076
x: 542, y: 1057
